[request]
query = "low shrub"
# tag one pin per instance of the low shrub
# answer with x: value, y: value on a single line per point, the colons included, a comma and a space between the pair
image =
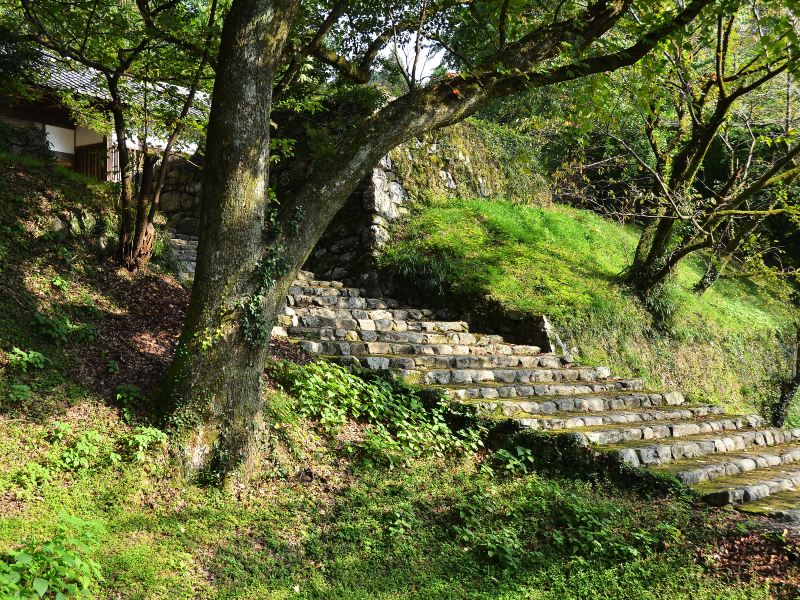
x: 21, y: 359
x: 400, y: 422
x: 58, y: 568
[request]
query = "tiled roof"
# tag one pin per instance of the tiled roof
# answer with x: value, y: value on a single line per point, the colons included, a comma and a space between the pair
x: 62, y: 76
x: 59, y: 75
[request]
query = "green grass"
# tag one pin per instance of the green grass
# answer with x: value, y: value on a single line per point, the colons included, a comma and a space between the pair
x: 725, y: 346
x: 434, y: 528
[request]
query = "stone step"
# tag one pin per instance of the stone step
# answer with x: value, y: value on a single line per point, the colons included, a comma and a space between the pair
x: 342, y: 302
x: 414, y: 372
x: 784, y: 506
x: 384, y: 325
x: 423, y: 342
x: 315, y: 288
x: 345, y: 342
x: 699, y: 469
x: 576, y: 420
x: 438, y: 356
x: 308, y: 279
x: 749, y: 487
x: 668, y: 429
x: 183, y: 241
x: 637, y: 454
x: 174, y: 235
x: 359, y: 314
x: 468, y: 361
x: 510, y: 375
x: 594, y: 403
x: 518, y: 390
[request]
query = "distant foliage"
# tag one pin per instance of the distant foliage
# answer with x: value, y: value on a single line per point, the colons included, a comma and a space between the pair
x: 28, y: 140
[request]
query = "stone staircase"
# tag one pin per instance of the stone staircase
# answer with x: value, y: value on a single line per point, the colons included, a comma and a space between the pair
x: 728, y: 459
x: 184, y: 249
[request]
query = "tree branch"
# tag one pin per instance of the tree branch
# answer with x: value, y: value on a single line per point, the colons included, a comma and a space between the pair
x: 148, y: 17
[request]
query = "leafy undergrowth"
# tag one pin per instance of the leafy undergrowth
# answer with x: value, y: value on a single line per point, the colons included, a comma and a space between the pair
x: 727, y: 346
x: 400, y: 422
x: 325, y: 523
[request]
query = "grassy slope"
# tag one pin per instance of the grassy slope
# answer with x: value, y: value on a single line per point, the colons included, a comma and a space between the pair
x: 724, y: 346
x: 321, y: 525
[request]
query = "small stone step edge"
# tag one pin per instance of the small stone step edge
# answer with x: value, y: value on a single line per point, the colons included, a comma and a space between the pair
x: 749, y: 462
x: 789, y: 480
x: 643, y: 417
x: 472, y: 344
x: 703, y: 445
x: 532, y: 390
x: 590, y: 403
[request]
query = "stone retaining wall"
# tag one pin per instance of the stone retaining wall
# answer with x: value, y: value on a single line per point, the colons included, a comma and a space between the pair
x: 348, y: 249
x: 180, y: 198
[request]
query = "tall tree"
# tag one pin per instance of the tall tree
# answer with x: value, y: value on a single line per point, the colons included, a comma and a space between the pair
x: 252, y: 243
x: 711, y: 108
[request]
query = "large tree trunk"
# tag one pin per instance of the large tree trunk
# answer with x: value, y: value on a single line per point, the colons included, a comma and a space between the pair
x: 213, y: 386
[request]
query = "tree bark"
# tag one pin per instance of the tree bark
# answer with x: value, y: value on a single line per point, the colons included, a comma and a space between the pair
x: 212, y: 389
x: 719, y: 260
x: 144, y: 232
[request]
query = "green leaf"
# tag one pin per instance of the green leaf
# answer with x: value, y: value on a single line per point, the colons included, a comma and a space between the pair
x: 40, y: 586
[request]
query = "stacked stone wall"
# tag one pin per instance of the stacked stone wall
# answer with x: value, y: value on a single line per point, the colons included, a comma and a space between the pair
x: 180, y: 198
x: 349, y: 247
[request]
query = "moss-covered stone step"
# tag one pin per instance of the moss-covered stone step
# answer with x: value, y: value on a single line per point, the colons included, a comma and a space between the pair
x: 600, y: 402
x: 415, y: 373
x: 699, y: 469
x: 458, y: 342
x: 637, y: 454
x: 342, y: 302
x: 372, y: 353
x: 606, y: 435
x: 503, y: 353
x: 384, y: 314
x: 578, y: 420
x: 493, y: 390
x: 781, y: 505
x: 315, y: 289
x: 353, y: 324
x: 748, y: 487
x: 509, y: 375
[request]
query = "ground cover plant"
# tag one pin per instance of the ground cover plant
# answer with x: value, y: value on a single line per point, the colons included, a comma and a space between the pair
x: 329, y: 524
